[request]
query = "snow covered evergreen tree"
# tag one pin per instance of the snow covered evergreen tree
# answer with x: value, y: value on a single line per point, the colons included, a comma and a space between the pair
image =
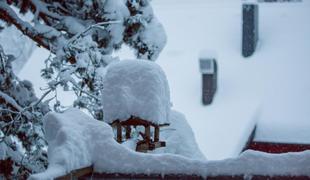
x: 22, y: 146
x: 82, y: 35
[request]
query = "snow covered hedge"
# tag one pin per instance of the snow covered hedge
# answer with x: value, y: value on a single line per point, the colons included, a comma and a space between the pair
x: 22, y: 144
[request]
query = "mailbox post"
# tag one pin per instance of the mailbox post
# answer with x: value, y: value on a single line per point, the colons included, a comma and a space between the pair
x: 208, y: 69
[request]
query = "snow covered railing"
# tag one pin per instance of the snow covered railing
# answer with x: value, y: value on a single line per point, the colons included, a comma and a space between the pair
x: 77, y: 141
x: 175, y: 176
x: 77, y: 174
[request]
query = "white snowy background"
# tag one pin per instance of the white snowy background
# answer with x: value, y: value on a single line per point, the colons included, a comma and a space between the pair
x: 271, y: 87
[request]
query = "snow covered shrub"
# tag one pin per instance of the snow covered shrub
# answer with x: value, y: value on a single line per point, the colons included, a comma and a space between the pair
x: 82, y: 35
x: 22, y: 147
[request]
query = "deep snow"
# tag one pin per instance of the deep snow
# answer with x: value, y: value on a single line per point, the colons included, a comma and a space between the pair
x: 135, y: 88
x: 271, y: 87
x: 77, y: 140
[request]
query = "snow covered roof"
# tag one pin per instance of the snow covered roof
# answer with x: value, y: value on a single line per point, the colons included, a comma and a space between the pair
x: 286, y: 119
x: 136, y: 88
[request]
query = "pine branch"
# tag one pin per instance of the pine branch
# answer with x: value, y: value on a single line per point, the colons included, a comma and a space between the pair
x: 7, y: 14
x: 10, y: 101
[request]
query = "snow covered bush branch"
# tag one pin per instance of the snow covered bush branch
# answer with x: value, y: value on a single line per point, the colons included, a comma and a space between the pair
x: 22, y: 144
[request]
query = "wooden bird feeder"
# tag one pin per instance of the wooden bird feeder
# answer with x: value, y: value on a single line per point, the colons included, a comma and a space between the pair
x: 148, y: 143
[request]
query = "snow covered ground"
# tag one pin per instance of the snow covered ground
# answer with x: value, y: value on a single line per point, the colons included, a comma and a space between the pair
x: 271, y: 87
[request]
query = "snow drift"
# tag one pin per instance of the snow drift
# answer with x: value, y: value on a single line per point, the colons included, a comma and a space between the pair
x: 180, y: 138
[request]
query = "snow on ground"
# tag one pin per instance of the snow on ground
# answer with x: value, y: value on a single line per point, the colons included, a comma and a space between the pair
x: 77, y: 140
x: 270, y: 87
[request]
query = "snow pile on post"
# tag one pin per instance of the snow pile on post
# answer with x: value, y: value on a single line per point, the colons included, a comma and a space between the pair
x: 135, y: 88
x: 77, y: 140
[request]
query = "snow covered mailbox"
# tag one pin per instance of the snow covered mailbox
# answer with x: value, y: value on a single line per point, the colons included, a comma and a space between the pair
x: 208, y: 69
x: 136, y: 94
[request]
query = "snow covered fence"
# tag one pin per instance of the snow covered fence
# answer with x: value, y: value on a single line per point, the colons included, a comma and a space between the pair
x: 77, y: 141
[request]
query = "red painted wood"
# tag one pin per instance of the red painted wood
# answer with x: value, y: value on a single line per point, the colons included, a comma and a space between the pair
x: 96, y: 176
x: 277, y: 147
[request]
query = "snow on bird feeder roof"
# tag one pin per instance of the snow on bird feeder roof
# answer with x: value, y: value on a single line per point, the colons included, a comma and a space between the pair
x: 136, y: 88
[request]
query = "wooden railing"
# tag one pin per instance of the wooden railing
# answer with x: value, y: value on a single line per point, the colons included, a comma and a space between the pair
x: 87, y: 173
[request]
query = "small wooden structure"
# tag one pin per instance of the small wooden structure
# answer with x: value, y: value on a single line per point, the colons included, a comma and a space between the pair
x: 208, y: 68
x: 148, y: 143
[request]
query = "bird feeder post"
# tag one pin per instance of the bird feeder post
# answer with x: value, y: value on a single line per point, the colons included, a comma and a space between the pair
x: 119, y: 131
x: 128, y: 132
x: 148, y: 132
x: 156, y: 134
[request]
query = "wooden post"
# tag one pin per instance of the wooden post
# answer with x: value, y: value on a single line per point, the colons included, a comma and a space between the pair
x: 156, y: 134
x: 128, y: 132
x: 119, y: 132
x: 147, y: 132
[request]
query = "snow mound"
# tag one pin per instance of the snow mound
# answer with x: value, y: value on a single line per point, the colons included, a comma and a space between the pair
x: 77, y: 140
x: 180, y: 138
x: 135, y: 88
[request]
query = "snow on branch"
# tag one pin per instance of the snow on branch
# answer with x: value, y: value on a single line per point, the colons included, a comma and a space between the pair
x: 10, y: 101
x: 82, y: 36
x: 41, y: 9
x: 7, y: 14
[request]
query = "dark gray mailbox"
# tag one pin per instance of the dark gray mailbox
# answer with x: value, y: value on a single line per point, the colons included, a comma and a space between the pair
x: 208, y: 69
x: 249, y: 28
